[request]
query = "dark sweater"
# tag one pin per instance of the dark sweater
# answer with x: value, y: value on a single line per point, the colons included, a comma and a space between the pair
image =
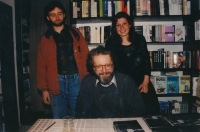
x: 96, y: 101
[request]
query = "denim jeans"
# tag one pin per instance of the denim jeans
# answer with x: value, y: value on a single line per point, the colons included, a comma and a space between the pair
x: 69, y: 88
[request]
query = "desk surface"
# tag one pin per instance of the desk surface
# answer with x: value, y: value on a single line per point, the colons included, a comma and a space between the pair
x: 83, y: 125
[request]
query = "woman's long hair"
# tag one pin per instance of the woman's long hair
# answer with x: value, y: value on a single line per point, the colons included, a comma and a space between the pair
x: 114, y: 22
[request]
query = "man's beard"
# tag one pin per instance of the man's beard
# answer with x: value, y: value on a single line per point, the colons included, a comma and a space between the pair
x: 57, y: 24
x: 105, y: 80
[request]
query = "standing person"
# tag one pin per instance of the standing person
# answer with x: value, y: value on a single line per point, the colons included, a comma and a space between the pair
x: 61, y: 62
x: 133, y: 58
x: 105, y: 93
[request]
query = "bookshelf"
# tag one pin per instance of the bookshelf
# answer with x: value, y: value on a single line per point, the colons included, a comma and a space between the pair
x: 152, y: 14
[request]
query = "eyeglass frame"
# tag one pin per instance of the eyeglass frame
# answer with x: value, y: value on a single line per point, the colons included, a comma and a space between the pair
x: 107, y: 67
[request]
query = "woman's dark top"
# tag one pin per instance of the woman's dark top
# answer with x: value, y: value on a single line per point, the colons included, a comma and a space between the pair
x: 134, y: 61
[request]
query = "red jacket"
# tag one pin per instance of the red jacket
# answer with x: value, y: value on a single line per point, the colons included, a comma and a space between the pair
x: 47, y: 73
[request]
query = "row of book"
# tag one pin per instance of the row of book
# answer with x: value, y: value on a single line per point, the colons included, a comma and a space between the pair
x: 95, y: 34
x: 163, y: 7
x: 164, y: 33
x: 99, y: 8
x: 173, y: 107
x: 170, y: 59
x: 171, y: 84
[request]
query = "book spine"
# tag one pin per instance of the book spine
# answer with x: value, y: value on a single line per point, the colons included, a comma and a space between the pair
x: 100, y: 8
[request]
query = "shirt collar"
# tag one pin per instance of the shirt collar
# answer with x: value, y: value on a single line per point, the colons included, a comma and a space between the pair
x: 51, y: 31
x: 113, y: 81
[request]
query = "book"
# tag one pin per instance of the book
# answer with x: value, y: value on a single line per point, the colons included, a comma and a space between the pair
x: 75, y: 10
x: 156, y: 121
x: 178, y: 60
x: 87, y: 34
x: 194, y: 86
x: 160, y: 84
x: 179, y: 33
x: 169, y: 33
x: 84, y: 8
x: 139, y: 29
x: 126, y: 126
x: 183, y: 119
x: 164, y: 107
x: 198, y: 88
x: 169, y: 59
x: 152, y: 79
x: 151, y: 59
x: 107, y: 32
x: 172, y: 84
x: 184, y: 84
x: 79, y: 9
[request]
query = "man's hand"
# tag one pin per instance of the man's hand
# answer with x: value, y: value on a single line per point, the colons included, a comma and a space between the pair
x: 46, y: 97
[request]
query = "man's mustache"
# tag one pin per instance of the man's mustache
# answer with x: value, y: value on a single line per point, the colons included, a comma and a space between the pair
x: 104, y: 73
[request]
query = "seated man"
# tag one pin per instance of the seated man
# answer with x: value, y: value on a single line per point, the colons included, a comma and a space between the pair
x: 105, y: 93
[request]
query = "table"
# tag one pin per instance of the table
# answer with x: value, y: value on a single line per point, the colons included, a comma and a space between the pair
x: 83, y: 125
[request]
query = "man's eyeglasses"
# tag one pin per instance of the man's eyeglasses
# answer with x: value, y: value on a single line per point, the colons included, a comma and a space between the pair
x: 100, y: 67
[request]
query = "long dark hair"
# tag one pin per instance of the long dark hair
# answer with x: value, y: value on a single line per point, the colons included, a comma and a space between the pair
x: 100, y: 50
x: 114, y: 22
x: 51, y: 6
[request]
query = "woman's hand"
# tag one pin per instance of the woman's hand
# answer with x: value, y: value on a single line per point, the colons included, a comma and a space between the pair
x: 144, y: 87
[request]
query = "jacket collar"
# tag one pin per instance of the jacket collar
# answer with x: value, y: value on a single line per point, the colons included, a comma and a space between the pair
x: 50, y: 31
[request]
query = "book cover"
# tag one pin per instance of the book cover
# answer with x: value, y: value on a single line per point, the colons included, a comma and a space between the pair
x: 124, y: 6
x: 183, y: 107
x: 100, y: 8
x: 85, y: 10
x: 164, y: 107
x: 93, y: 8
x: 169, y: 33
x: 172, y: 85
x: 79, y: 9
x: 138, y: 7
x: 139, y: 29
x: 109, y: 9
x: 178, y: 60
x: 198, y: 88
x: 87, y: 34
x: 194, y: 86
x: 126, y: 126
x: 183, y: 119
x: 156, y: 121
x: 169, y: 59
x: 195, y: 108
x: 107, y: 33
x: 184, y: 84
x: 179, y: 33
x: 151, y: 59
x: 166, y: 7
x: 75, y: 10
x: 152, y: 79
x: 160, y: 84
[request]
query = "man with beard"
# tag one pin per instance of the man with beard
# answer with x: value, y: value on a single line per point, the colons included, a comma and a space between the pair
x: 61, y: 62
x: 105, y: 93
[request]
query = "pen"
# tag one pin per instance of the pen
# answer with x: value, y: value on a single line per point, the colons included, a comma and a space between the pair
x: 49, y: 126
